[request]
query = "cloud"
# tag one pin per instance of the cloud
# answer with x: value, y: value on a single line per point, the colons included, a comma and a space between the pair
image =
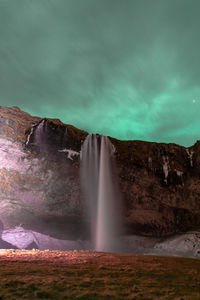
x: 129, y: 69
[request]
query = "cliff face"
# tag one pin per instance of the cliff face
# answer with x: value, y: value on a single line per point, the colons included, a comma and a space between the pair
x: 39, y: 184
x: 40, y: 180
x: 160, y: 185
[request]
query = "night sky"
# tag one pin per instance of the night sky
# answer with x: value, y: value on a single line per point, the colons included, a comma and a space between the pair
x: 125, y: 68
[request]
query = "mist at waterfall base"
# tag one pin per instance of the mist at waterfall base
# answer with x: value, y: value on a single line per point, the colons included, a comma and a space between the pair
x: 101, y: 194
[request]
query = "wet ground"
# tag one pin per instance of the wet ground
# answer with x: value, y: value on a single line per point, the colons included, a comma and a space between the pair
x: 34, y: 274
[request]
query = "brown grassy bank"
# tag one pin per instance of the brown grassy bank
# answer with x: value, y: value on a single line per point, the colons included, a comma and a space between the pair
x: 90, y: 275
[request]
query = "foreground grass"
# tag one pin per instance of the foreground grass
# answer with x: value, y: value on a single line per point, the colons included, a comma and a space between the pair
x: 90, y: 275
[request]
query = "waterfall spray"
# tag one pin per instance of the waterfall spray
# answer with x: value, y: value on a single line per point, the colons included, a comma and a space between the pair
x: 100, y: 192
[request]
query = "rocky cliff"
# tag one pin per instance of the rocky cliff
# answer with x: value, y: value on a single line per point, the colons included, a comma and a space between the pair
x: 40, y: 180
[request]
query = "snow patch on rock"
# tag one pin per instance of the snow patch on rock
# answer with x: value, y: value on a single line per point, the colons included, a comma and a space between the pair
x: 18, y: 237
x: 179, y: 173
x: 22, y: 238
x: 190, y: 154
x: 185, y: 244
x: 29, y: 136
x: 70, y: 153
x: 166, y: 167
x: 113, y: 151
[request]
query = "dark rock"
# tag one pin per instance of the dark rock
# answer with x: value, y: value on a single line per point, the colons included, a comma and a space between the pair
x: 31, y: 246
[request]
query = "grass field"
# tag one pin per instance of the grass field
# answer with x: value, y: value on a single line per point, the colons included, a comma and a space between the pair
x: 94, y: 275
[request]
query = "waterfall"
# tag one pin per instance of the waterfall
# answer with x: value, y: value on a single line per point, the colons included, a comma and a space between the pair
x: 37, y: 135
x: 100, y: 192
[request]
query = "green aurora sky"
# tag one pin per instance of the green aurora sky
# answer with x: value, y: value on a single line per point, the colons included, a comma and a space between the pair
x: 125, y: 68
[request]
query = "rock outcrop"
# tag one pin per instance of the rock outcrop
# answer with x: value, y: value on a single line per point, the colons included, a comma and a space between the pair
x: 40, y: 180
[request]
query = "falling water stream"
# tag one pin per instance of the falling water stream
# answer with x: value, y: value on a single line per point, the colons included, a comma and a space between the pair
x: 100, y: 192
